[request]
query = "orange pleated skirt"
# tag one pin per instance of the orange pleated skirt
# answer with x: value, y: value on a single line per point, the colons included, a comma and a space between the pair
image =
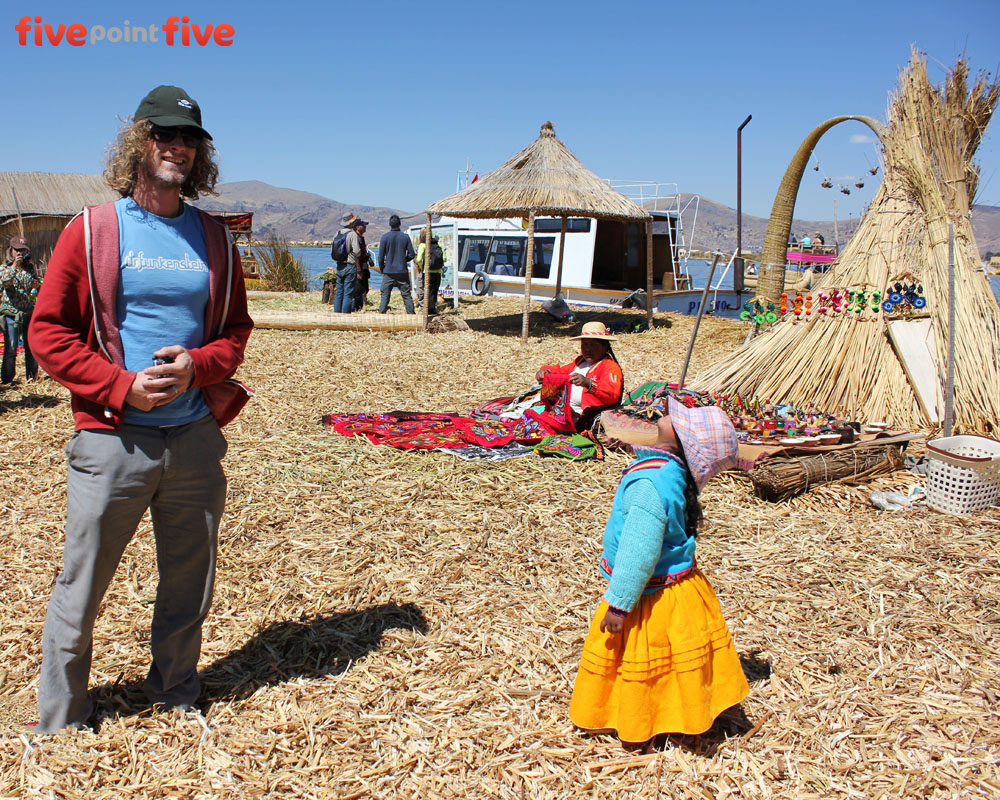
x: 673, y: 669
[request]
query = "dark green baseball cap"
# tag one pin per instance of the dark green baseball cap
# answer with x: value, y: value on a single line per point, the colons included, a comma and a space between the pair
x: 171, y: 107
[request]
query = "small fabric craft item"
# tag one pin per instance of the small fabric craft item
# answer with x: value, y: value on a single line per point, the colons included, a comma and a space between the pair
x: 573, y: 446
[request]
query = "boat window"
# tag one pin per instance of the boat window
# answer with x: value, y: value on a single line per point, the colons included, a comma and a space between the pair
x: 573, y: 225
x: 473, y: 251
x: 504, y: 255
x: 544, y: 245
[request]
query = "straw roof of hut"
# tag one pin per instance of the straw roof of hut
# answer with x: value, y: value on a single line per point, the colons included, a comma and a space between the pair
x: 544, y: 176
x: 50, y: 193
x: 866, y: 362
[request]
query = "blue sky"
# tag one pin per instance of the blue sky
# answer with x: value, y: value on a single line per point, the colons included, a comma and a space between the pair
x: 382, y: 105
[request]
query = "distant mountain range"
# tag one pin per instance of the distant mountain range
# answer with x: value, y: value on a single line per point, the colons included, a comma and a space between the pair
x: 294, y: 215
x: 306, y: 217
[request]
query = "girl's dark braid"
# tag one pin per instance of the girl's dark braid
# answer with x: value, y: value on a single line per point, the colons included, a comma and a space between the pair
x: 693, y: 514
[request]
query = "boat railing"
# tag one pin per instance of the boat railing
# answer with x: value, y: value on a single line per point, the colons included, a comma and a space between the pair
x: 719, y: 284
x: 665, y: 197
x: 650, y: 195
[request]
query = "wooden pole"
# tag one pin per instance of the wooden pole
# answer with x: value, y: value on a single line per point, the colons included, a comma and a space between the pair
x: 17, y: 208
x: 562, y: 246
x: 454, y: 275
x: 649, y: 273
x: 528, y: 270
x: 697, y: 321
x: 949, y: 381
x: 427, y: 272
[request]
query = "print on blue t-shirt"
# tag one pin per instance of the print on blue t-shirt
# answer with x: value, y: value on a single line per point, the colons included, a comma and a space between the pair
x: 162, y: 297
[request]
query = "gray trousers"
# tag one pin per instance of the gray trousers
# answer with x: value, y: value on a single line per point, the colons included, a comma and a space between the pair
x: 113, y: 477
x: 401, y: 282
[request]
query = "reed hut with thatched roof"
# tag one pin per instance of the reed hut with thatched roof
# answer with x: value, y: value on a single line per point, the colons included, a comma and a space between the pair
x: 37, y: 205
x: 869, y: 360
x: 544, y: 179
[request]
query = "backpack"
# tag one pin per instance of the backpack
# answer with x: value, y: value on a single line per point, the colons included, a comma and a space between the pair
x: 338, y: 251
x: 437, y: 257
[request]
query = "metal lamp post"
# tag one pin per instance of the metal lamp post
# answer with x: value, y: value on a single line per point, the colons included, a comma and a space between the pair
x: 738, y: 265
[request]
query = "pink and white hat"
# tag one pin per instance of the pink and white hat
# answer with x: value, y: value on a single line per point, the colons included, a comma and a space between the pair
x: 705, y: 433
x: 708, y: 438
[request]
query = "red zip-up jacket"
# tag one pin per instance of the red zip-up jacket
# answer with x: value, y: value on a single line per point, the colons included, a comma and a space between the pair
x: 74, y: 330
x: 607, y: 377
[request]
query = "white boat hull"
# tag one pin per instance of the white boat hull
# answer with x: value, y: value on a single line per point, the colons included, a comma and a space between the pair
x: 721, y: 303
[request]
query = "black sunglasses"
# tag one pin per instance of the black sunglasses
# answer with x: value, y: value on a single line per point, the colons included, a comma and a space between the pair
x: 191, y: 138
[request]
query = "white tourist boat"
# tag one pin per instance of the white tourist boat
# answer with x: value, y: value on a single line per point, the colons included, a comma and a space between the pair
x: 604, y: 262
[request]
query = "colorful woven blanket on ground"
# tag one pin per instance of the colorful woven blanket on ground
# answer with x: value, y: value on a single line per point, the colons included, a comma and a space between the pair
x: 427, y: 431
x: 548, y: 409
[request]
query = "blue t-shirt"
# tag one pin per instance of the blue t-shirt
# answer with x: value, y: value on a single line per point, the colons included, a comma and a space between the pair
x: 162, y: 298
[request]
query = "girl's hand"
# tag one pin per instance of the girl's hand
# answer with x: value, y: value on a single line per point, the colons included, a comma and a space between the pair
x: 612, y: 623
x: 540, y: 375
x: 581, y: 380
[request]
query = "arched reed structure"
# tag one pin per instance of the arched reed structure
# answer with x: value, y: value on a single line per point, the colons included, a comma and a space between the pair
x: 779, y: 226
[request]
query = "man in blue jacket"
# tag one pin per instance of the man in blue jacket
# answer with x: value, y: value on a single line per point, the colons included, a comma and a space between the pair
x: 394, y: 250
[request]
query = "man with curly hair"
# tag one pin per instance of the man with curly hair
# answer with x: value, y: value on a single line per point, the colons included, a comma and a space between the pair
x: 143, y: 317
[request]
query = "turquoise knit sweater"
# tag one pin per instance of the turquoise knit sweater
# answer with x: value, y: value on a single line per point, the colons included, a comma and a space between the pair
x: 646, y: 533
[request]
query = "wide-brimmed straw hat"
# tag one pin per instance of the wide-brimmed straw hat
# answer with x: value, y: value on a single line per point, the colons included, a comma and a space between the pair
x: 594, y: 330
x: 706, y: 435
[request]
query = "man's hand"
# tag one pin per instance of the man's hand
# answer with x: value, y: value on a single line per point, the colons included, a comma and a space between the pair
x: 162, y: 384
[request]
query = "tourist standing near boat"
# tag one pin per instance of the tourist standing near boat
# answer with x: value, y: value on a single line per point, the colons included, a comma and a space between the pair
x: 18, y: 282
x: 347, y: 274
x: 357, y: 256
x: 659, y: 657
x: 394, y: 251
x: 143, y: 317
x: 435, y: 266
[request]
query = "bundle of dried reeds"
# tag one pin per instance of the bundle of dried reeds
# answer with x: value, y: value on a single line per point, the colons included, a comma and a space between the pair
x: 331, y: 321
x: 847, y: 362
x: 782, y: 477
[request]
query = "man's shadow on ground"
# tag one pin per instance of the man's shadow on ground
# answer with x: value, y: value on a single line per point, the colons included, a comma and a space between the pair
x: 27, y: 401
x: 318, y: 646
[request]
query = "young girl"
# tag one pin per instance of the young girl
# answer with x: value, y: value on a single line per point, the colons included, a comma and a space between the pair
x: 659, y: 657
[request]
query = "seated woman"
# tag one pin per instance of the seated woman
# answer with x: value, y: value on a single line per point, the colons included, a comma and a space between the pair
x: 575, y: 393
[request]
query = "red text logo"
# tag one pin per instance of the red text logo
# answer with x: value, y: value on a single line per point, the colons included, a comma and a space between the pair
x: 176, y: 31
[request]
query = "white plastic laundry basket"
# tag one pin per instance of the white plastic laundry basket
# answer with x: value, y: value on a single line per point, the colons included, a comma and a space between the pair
x: 963, y: 474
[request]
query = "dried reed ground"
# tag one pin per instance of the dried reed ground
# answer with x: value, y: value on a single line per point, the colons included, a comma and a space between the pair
x: 391, y: 624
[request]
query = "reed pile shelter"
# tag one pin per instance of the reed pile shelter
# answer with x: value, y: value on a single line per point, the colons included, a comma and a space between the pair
x: 545, y: 179
x: 876, y: 342
x: 38, y: 205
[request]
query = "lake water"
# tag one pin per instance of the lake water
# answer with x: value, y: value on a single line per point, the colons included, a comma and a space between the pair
x: 317, y: 259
